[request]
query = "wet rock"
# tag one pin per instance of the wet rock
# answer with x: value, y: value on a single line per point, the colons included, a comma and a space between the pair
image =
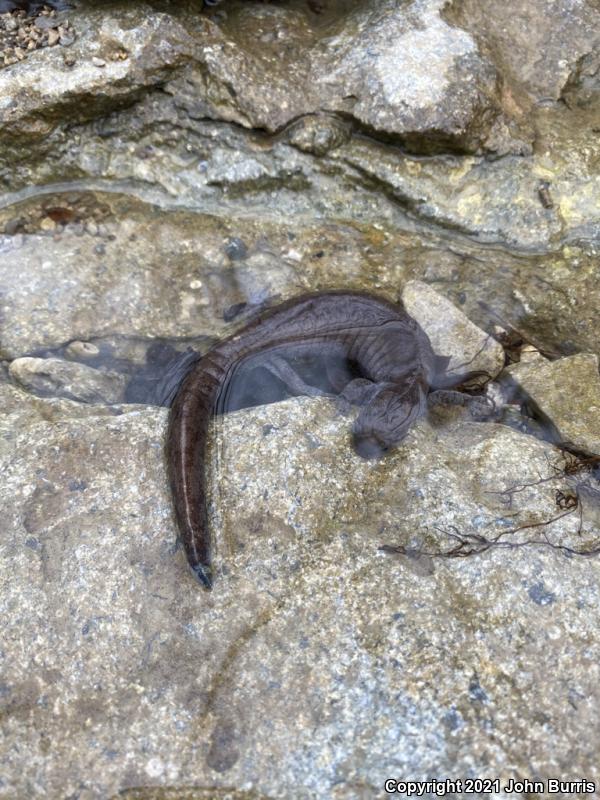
x: 399, y: 72
x: 492, y: 201
x: 317, y: 654
x: 92, y: 294
x: 21, y: 410
x: 390, y: 90
x: 568, y: 392
x: 41, y: 98
x: 166, y: 274
x: 73, y: 212
x: 166, y: 142
x: 529, y: 354
x: 452, y: 333
x: 537, y: 44
x: 57, y: 378
x: 314, y: 648
x: 440, y: 458
x: 181, y: 281
x: 583, y: 85
x: 162, y: 154
x: 236, y: 249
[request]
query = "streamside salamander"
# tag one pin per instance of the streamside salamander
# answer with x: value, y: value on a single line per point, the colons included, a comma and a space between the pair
x: 388, y: 349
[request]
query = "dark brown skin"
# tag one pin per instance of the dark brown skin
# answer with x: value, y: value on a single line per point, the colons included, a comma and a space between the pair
x: 392, y: 353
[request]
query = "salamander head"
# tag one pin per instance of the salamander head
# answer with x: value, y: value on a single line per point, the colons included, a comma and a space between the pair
x: 369, y: 445
x: 385, y: 421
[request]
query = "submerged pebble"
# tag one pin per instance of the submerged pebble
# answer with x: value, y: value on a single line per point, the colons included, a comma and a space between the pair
x: 84, y: 350
x: 57, y: 378
x: 236, y: 249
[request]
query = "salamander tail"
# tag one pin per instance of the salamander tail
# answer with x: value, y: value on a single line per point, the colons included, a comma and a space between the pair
x: 204, y: 574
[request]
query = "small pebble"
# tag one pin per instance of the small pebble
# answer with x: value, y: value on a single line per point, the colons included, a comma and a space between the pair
x: 47, y: 224
x: 98, y: 62
x: 45, y: 23
x: 79, y: 349
x: 20, y: 35
x: 66, y: 38
x: 236, y: 249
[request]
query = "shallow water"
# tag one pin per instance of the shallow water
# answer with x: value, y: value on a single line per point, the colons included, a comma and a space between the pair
x: 142, y: 289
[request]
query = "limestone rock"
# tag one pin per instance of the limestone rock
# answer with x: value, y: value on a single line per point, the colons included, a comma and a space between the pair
x: 162, y: 174
x: 399, y: 71
x: 316, y: 654
x: 539, y: 43
x: 451, y: 333
x: 58, y: 378
x: 39, y: 94
x: 568, y: 392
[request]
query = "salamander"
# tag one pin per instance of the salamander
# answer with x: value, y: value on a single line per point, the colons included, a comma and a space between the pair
x: 390, y: 352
